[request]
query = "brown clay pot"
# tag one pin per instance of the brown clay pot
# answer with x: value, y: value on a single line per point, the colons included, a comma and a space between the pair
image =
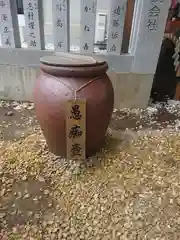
x: 51, y: 94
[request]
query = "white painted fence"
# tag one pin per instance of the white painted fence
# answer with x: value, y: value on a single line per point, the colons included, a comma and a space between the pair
x: 146, y: 36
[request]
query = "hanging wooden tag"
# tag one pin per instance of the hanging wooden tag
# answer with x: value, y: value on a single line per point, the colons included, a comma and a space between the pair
x: 176, y: 64
x: 176, y: 61
x: 177, y: 96
x: 76, y: 129
x: 177, y: 46
x: 178, y: 72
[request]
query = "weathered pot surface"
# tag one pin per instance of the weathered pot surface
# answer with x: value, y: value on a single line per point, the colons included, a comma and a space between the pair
x: 60, y: 75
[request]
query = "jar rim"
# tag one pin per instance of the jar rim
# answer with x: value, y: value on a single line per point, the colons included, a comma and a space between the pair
x: 71, y: 60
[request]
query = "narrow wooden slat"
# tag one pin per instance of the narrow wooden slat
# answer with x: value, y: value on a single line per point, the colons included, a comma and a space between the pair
x: 60, y: 12
x: 147, y: 34
x: 135, y: 25
x: 116, y: 25
x: 9, y: 26
x: 88, y: 19
x: 33, y: 12
x: 127, y: 26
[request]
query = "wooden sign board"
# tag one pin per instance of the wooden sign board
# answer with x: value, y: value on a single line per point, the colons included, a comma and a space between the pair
x: 76, y: 129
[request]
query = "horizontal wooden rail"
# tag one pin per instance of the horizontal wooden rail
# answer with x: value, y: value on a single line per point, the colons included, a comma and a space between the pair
x: 30, y: 58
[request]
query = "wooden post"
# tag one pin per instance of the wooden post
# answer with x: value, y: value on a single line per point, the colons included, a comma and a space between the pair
x: 33, y: 11
x: 116, y: 26
x: 9, y: 26
x: 88, y: 19
x: 147, y: 34
x: 60, y: 12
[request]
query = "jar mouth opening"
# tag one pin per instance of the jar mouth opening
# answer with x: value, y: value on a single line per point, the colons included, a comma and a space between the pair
x: 78, y: 71
x: 71, y: 60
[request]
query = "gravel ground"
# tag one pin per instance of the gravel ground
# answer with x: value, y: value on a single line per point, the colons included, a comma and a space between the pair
x: 129, y: 190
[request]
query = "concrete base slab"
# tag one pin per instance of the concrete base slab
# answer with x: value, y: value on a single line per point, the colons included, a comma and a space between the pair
x: 131, y: 90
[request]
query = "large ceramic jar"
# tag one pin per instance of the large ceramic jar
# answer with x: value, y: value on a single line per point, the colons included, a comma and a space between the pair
x: 60, y: 74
